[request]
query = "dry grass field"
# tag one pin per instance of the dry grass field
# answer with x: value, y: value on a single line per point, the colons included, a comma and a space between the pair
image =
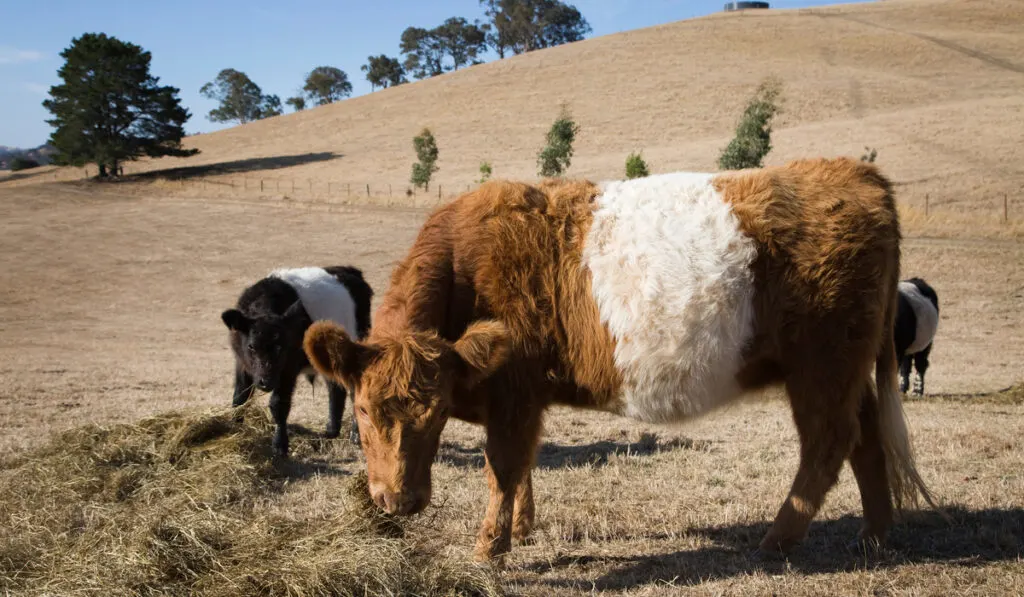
x: 110, y: 301
x: 110, y: 313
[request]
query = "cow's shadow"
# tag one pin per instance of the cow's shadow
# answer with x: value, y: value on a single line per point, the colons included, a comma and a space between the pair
x: 312, y: 454
x: 556, y: 456
x: 973, y: 538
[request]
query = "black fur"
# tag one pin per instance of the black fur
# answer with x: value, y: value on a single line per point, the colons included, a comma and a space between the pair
x: 905, y: 332
x: 266, y: 329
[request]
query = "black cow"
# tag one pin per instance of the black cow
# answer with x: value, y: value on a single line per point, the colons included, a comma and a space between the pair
x: 266, y: 331
x: 917, y: 319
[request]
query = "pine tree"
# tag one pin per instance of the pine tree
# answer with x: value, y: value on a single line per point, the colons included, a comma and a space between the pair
x: 110, y: 109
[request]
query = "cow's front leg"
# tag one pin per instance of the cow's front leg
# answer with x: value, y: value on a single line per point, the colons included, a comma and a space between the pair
x: 280, y: 406
x: 509, y: 454
x: 336, y: 408
x: 243, y: 386
x: 522, y: 520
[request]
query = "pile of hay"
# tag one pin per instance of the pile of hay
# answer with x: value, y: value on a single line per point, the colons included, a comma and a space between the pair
x: 185, y: 505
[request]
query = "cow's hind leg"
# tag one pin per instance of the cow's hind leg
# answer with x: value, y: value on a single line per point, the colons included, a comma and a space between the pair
x: 868, y: 463
x: 825, y: 413
x: 921, y: 365
x: 336, y: 408
x: 906, y: 362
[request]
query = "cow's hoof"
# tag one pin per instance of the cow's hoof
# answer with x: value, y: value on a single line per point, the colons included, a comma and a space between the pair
x: 766, y: 556
x: 332, y: 432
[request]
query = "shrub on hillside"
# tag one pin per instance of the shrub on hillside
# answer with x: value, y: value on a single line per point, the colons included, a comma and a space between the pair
x: 754, y: 131
x: 485, y: 172
x: 426, y: 152
x: 23, y: 163
x: 870, y: 153
x: 556, y: 156
x: 636, y: 167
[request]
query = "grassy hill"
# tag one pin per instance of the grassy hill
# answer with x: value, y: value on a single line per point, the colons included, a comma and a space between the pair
x: 937, y: 86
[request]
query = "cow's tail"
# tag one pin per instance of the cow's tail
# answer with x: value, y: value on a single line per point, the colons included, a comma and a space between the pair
x: 905, y: 481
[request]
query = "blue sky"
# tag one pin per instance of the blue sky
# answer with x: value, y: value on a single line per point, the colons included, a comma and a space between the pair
x: 275, y: 43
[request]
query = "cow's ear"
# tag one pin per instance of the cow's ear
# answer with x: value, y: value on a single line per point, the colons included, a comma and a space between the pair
x: 335, y: 355
x: 236, y: 320
x: 483, y: 348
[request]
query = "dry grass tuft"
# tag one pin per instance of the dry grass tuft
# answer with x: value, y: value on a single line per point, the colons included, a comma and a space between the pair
x: 183, y: 505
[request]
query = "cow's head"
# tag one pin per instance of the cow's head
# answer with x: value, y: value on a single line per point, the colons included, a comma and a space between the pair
x: 403, y: 397
x: 265, y: 344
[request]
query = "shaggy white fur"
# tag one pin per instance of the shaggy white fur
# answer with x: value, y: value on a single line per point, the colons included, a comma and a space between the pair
x: 924, y: 312
x: 322, y: 295
x: 671, y: 275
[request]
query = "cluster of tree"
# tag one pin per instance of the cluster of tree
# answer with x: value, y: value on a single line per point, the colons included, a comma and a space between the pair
x: 515, y: 26
x: 427, y: 50
x: 519, y: 26
x: 241, y: 100
x: 14, y: 158
x: 383, y: 71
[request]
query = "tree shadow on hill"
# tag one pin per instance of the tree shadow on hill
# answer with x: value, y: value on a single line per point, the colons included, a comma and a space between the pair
x: 596, y: 454
x: 236, y: 166
x: 974, y: 538
x: 23, y: 174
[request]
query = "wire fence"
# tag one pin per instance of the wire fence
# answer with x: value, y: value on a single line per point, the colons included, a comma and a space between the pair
x: 1001, y: 207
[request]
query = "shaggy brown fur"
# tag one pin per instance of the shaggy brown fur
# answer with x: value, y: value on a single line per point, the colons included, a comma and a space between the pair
x: 490, y: 319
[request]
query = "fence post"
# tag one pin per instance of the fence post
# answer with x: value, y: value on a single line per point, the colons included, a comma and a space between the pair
x: 367, y: 190
x: 261, y: 185
x: 926, y: 204
x: 348, y: 189
x: 439, y: 191
x: 1006, y: 209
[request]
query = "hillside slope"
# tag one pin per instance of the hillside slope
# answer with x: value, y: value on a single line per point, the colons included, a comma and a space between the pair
x: 937, y: 86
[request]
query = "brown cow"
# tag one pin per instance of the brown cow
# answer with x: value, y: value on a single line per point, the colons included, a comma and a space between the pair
x: 660, y: 299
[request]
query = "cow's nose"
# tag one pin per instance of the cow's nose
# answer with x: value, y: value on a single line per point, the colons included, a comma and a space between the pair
x: 395, y: 503
x: 264, y: 385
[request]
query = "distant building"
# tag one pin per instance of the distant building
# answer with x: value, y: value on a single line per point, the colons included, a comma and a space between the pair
x: 743, y: 5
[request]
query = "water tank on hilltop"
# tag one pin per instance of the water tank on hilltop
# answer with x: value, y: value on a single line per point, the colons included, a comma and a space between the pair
x: 744, y: 5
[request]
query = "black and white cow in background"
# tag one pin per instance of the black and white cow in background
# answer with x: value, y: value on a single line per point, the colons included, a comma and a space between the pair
x: 917, y: 319
x: 266, y: 331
